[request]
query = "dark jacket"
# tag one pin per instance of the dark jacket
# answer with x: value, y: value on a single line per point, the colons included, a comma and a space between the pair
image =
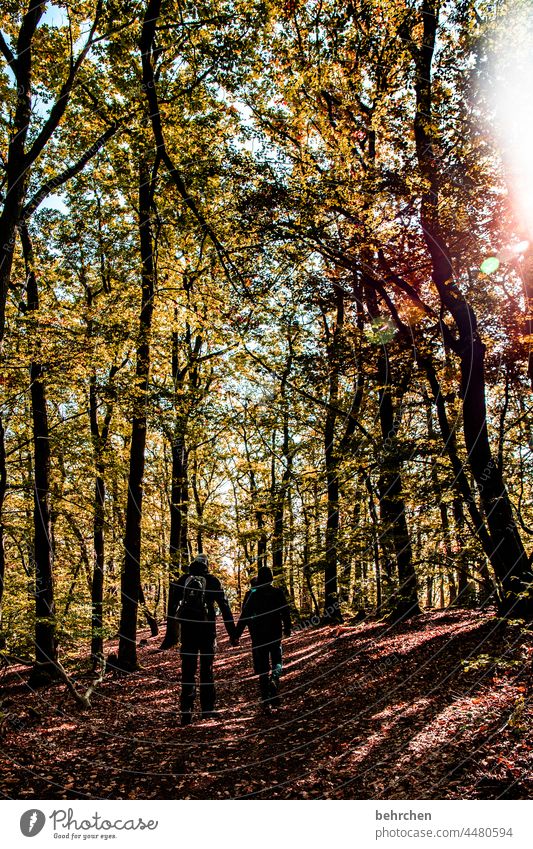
x: 267, y: 615
x: 214, y: 594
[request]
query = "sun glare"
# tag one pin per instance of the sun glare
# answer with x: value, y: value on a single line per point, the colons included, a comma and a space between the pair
x: 512, y: 97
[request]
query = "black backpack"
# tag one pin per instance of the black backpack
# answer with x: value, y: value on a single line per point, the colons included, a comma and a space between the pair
x: 193, y: 607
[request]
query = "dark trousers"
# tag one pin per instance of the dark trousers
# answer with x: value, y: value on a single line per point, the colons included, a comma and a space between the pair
x: 268, y: 664
x: 194, y: 646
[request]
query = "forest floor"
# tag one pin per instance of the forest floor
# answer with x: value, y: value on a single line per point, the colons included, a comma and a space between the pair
x: 435, y: 708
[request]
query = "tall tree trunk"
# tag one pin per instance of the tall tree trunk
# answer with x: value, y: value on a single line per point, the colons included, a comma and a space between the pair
x: 130, y: 585
x: 186, y: 390
x: 331, y: 596
x: 279, y: 494
x: 45, y: 626
x: 452, y: 585
x: 375, y: 544
x: 309, y: 601
x: 150, y: 618
x: 99, y: 440
x: 45, y: 640
x: 3, y: 489
x: 443, y: 510
x: 508, y: 556
x: 460, y: 478
x: 332, y: 609
x: 395, y: 538
x: 262, y: 544
x: 290, y: 549
x: 391, y: 500
x: 429, y: 591
x: 463, y: 585
x: 258, y: 508
x: 179, y: 499
x: 17, y: 172
x: 277, y: 516
x: 97, y: 583
x: 198, y: 505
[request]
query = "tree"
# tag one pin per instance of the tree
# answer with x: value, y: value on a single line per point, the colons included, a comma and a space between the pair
x: 130, y: 586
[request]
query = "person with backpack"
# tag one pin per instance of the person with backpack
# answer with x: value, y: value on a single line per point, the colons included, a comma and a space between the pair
x: 266, y: 613
x: 196, y: 596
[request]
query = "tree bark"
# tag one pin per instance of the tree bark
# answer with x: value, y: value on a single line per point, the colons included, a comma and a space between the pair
x: 395, y: 532
x: 17, y: 172
x: 130, y: 585
x: 179, y: 499
x: 198, y: 505
x: 100, y: 439
x: 45, y: 626
x: 279, y: 493
x: 258, y: 508
x: 374, y: 529
x: 332, y: 610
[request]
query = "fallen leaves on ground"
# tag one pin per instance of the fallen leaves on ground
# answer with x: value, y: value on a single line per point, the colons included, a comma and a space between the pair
x: 437, y: 707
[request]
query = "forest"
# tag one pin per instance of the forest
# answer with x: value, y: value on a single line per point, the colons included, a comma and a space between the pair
x: 266, y: 292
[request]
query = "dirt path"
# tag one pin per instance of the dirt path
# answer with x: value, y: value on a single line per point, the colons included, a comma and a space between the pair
x: 369, y: 712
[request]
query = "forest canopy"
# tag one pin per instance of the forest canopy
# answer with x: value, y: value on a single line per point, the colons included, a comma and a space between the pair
x: 266, y: 289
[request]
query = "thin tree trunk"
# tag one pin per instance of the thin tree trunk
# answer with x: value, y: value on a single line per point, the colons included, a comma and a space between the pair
x: 258, y: 508
x: 332, y: 610
x: 150, y: 618
x: 198, y: 506
x: 463, y: 586
x: 17, y: 173
x: 391, y: 501
x: 99, y: 439
x: 460, y: 478
x: 45, y: 626
x: 277, y: 516
x: 375, y: 544
x: 130, y: 586
x: 179, y: 499
x: 429, y: 592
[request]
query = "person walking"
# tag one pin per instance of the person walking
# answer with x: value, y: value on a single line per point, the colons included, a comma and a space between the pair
x: 196, y: 596
x: 266, y: 613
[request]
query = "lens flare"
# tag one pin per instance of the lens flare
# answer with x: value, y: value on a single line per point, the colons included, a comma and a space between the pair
x: 512, y: 101
x: 490, y: 265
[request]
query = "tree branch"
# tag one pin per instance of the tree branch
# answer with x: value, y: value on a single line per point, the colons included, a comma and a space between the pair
x: 6, y: 51
x: 146, y: 45
x: 60, y: 179
x: 58, y: 109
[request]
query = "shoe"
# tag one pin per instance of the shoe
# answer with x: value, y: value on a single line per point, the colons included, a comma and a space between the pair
x: 186, y: 718
x: 273, y: 691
